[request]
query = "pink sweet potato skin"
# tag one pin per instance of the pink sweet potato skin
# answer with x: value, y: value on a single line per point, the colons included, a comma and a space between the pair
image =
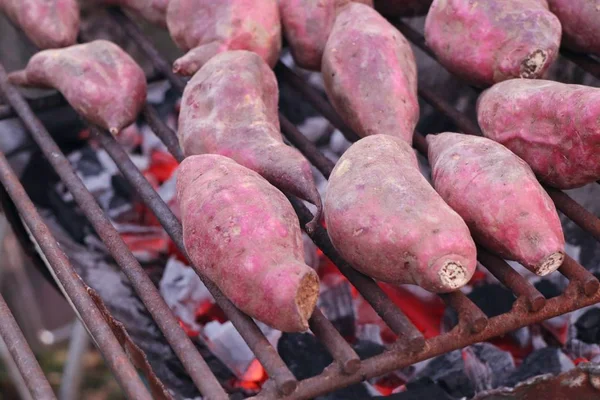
x: 389, y: 223
x: 243, y: 234
x: 402, y: 8
x: 489, y: 41
x: 580, y: 20
x: 370, y: 74
x: 307, y: 25
x: 230, y: 108
x: 48, y: 24
x: 98, y: 79
x: 154, y: 11
x: 553, y: 126
x: 207, y: 27
x: 500, y: 199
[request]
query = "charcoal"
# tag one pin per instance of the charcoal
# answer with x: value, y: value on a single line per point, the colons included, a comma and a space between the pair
x: 421, y: 389
x: 306, y: 357
x: 549, y: 360
x: 461, y: 373
x: 588, y: 326
x: 548, y: 288
x: 336, y: 304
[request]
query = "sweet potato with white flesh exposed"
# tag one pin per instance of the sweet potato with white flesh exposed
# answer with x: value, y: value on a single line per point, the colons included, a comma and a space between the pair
x: 98, y: 79
x: 488, y: 41
x: 205, y: 28
x: 48, y: 24
x: 229, y: 107
x: 243, y: 235
x: 307, y: 25
x: 580, y: 20
x: 389, y: 223
x: 402, y: 8
x: 154, y: 11
x: 370, y: 74
x: 554, y: 127
x: 498, y: 196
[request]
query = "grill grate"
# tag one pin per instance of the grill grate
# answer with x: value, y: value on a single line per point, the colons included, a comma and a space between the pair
x: 530, y: 306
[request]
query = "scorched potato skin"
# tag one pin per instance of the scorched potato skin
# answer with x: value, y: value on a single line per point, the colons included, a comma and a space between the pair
x: 402, y: 8
x: 554, y: 127
x: 307, y: 25
x: 370, y: 74
x: 500, y: 199
x: 230, y: 107
x: 98, y: 79
x: 154, y: 11
x: 205, y: 28
x: 389, y: 223
x: 243, y: 234
x: 580, y: 20
x: 49, y: 24
x: 488, y: 41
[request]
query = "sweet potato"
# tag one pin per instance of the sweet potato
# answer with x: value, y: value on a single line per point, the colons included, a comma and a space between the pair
x: 580, y: 20
x: 243, y: 235
x: 389, y: 223
x: 205, y: 28
x: 553, y: 126
x: 498, y: 196
x: 402, y: 8
x: 489, y: 41
x: 307, y: 25
x: 370, y: 74
x: 229, y: 107
x: 48, y: 24
x: 98, y: 79
x: 154, y: 11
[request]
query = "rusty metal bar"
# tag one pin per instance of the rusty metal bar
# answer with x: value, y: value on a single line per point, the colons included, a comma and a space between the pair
x: 407, y: 333
x: 73, y: 287
x: 38, y: 104
x: 511, y: 279
x: 145, y: 289
x: 462, y: 122
x: 21, y: 353
x: 133, y: 31
x: 469, y: 314
x: 575, y: 212
x: 306, y: 147
x: 394, y: 359
x: 316, y: 100
x: 573, y: 271
x: 337, y: 346
x: 164, y: 133
x: 249, y: 331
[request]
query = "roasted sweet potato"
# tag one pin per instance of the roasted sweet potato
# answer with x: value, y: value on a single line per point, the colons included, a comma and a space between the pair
x: 243, y: 235
x: 48, y: 24
x: 402, y: 8
x: 498, y: 196
x: 307, y: 25
x: 553, y: 126
x: 370, y: 74
x: 229, y: 107
x: 205, y: 28
x: 580, y: 20
x: 154, y: 11
x: 98, y: 79
x: 389, y: 223
x: 488, y: 41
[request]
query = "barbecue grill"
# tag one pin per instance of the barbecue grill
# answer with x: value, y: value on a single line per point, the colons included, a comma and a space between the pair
x: 530, y: 307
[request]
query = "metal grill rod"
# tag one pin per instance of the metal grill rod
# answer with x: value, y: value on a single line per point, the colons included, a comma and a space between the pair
x: 21, y: 352
x: 145, y: 289
x: 73, y: 287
